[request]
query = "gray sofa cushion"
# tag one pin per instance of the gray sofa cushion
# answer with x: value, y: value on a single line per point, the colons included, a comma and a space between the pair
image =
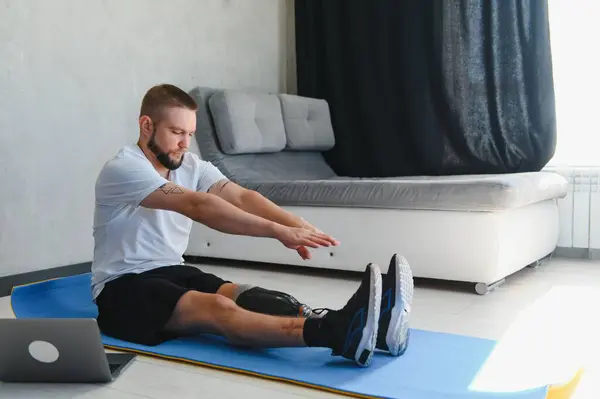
x: 449, y: 193
x: 277, y: 166
x: 307, y: 123
x: 248, y: 122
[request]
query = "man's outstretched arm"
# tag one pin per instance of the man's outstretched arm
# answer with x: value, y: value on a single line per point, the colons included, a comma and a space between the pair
x: 220, y: 215
x: 255, y: 203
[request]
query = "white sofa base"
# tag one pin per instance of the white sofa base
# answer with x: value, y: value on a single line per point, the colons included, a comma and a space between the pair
x: 475, y: 247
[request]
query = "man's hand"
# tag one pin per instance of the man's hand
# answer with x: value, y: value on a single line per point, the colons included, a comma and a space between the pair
x: 256, y: 204
x: 308, y: 226
x: 299, y: 239
x: 303, y: 251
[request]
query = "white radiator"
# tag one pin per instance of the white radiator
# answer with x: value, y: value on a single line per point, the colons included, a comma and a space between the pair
x: 580, y: 213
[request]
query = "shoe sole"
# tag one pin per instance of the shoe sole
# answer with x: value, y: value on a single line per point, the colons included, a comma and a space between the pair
x: 397, y: 333
x: 368, y: 341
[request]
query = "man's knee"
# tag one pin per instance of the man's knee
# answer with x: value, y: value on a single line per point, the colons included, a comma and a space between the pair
x: 224, y: 313
x: 222, y: 308
x: 228, y: 290
x: 204, y: 309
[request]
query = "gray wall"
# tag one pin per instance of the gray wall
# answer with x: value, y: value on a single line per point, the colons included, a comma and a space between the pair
x: 72, y: 74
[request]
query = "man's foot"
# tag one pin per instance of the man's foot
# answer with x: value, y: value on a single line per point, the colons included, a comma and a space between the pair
x: 396, y: 305
x: 355, y: 326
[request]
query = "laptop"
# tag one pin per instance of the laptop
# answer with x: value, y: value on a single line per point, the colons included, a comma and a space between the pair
x: 57, y: 350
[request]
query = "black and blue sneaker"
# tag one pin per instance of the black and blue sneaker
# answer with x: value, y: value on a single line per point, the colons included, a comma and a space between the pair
x: 353, y: 329
x: 396, y: 302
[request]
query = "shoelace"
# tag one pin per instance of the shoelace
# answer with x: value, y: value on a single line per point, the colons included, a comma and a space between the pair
x: 319, y: 312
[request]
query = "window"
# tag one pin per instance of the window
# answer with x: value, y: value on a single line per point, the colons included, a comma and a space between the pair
x: 575, y: 37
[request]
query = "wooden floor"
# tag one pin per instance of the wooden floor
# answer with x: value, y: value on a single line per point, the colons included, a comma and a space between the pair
x: 562, y: 295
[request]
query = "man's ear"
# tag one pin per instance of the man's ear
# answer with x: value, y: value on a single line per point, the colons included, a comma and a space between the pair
x: 146, y: 125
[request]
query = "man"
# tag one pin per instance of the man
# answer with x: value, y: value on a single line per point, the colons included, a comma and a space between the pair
x: 147, y: 198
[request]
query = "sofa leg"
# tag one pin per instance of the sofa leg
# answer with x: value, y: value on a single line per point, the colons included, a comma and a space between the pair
x: 535, y: 264
x: 540, y: 262
x: 484, y: 289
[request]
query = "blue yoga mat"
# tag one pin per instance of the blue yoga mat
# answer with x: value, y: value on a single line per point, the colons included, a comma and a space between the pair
x: 436, y: 365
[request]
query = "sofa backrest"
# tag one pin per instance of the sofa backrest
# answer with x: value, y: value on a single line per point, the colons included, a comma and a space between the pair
x: 254, y: 136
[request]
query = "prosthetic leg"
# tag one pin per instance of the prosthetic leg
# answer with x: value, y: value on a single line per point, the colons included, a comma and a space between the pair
x: 276, y: 303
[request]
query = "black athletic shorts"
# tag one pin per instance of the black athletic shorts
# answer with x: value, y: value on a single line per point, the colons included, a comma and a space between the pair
x: 136, y: 307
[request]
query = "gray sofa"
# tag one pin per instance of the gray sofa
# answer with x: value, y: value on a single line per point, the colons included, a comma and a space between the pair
x: 476, y: 229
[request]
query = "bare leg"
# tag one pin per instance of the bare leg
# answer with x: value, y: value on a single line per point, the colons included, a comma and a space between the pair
x: 198, y: 312
x: 350, y: 332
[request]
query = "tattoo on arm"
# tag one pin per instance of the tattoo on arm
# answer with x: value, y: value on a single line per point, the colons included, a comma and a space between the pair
x: 221, y: 185
x: 169, y: 188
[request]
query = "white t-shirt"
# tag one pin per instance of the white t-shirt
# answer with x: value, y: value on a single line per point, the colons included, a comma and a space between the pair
x: 129, y: 238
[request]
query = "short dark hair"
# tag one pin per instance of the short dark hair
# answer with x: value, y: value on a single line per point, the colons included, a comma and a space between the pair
x: 163, y: 96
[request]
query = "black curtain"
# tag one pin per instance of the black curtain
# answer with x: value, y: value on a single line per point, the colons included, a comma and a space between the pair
x: 430, y: 87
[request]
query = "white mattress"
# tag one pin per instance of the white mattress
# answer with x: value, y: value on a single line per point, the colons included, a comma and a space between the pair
x: 458, y: 193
